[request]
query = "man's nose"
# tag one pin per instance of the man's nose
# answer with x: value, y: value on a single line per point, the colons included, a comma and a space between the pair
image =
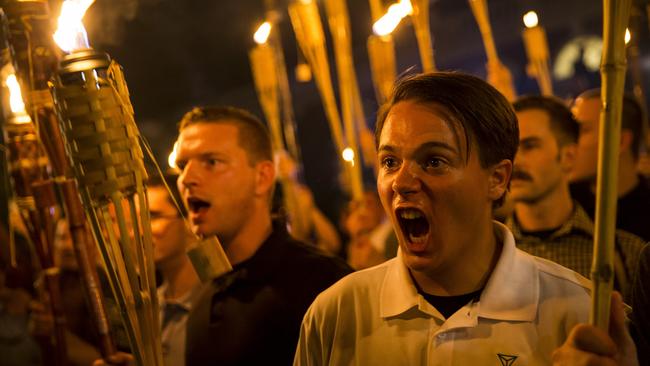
x: 407, y: 179
x: 189, y: 176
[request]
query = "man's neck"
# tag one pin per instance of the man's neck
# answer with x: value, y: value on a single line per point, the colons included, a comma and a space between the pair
x: 249, y: 238
x: 548, y: 213
x: 468, y: 273
x: 180, y: 278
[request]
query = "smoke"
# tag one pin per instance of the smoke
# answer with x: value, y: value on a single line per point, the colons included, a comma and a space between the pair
x: 106, y: 20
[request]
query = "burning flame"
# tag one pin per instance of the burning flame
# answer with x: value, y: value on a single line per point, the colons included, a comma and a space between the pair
x: 171, y: 160
x: 15, y: 97
x: 71, y: 33
x: 628, y: 35
x: 396, y: 12
x: 262, y: 33
x: 348, y: 155
x: 530, y: 19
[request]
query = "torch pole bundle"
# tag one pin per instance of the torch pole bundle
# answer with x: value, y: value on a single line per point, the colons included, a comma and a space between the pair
x: 615, y: 18
x: 351, y: 108
x: 423, y: 34
x: 102, y: 144
x: 498, y: 75
x: 33, y: 191
x: 307, y: 26
x: 381, y: 54
x: 265, y: 66
x: 38, y: 60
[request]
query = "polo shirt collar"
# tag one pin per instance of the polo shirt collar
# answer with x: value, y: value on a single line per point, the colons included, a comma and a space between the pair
x: 511, y: 292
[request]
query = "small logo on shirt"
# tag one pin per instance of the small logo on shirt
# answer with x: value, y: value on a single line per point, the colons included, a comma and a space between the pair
x: 506, y: 360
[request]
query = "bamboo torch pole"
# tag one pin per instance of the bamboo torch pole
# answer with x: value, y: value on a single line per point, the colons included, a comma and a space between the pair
x: 307, y: 26
x: 339, y: 23
x: 498, y: 74
x: 264, y: 66
x: 423, y: 34
x: 615, y: 18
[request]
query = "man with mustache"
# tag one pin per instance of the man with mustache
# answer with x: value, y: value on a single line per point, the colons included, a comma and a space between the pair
x: 459, y: 292
x: 546, y: 222
x: 250, y: 316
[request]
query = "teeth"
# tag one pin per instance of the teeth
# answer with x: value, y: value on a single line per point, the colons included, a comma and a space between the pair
x: 417, y: 239
x: 410, y: 214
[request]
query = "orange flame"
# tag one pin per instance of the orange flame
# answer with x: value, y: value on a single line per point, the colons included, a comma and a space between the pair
x: 71, y: 33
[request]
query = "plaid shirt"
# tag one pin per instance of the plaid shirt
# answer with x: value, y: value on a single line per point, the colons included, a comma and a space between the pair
x: 572, y: 246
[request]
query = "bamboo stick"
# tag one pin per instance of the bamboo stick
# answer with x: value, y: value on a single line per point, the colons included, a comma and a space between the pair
x: 615, y: 18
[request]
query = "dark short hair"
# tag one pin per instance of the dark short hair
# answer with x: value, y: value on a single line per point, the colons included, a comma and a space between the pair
x: 484, y: 114
x: 168, y: 179
x: 253, y: 135
x: 563, y: 124
x: 631, y: 119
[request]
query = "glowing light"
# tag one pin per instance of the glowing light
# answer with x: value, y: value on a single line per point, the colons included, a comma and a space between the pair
x: 348, y: 154
x: 171, y: 159
x: 530, y: 19
x: 394, y: 15
x: 628, y: 35
x: 262, y: 33
x: 15, y: 97
x: 71, y: 33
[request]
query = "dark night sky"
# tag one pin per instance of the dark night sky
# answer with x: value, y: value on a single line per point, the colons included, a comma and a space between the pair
x: 181, y: 53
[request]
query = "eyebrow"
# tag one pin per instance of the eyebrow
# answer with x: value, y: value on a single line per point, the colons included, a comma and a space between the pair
x: 425, y: 146
x: 530, y: 139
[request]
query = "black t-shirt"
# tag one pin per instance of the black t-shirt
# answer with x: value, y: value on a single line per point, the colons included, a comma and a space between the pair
x: 252, y: 315
x: 633, y: 209
x: 448, y: 305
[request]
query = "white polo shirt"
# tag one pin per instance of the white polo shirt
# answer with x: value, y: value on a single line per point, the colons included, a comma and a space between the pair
x: 377, y: 317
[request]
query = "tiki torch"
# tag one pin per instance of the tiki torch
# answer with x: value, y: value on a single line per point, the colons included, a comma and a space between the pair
x: 34, y: 194
x: 498, y: 74
x: 423, y: 34
x: 265, y: 66
x: 308, y: 28
x: 537, y: 50
x: 351, y: 109
x: 37, y: 57
x: 102, y: 143
x: 381, y: 52
x: 615, y: 18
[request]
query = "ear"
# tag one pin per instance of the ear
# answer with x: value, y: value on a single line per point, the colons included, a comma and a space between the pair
x: 265, y: 178
x: 626, y: 140
x: 499, y: 179
x: 568, y: 157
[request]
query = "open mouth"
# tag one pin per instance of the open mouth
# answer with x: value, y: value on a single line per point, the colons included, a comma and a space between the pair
x: 196, y: 205
x: 414, y: 224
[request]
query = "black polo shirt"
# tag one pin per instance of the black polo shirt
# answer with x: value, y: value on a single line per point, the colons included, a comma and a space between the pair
x: 252, y: 315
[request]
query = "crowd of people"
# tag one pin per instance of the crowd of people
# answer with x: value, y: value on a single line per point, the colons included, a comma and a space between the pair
x: 426, y: 273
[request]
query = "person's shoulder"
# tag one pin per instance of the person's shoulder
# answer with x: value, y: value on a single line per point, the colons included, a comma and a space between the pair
x: 560, y: 276
x: 308, y: 267
x: 361, y: 283
x: 631, y: 244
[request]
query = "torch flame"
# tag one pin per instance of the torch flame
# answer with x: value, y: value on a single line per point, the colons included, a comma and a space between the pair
x: 530, y: 19
x: 171, y: 159
x: 71, y: 33
x: 262, y: 33
x: 628, y: 35
x: 394, y: 15
x: 15, y: 97
x: 348, y: 155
